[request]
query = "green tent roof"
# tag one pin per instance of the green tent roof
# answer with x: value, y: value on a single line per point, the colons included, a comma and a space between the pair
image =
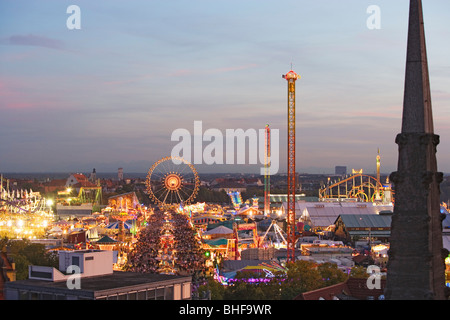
x: 216, y: 242
x: 106, y: 239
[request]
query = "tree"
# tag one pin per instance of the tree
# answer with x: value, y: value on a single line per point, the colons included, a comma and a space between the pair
x: 359, y: 272
x: 25, y: 253
x: 206, y: 195
x: 302, y: 276
x: 216, y: 289
x: 331, y: 274
x: 243, y: 289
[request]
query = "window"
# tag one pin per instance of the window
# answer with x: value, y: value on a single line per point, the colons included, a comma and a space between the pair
x: 23, y: 295
x: 186, y: 290
x: 159, y: 294
x: 41, y: 274
x: 47, y: 296
x: 151, y: 294
x: 168, y: 293
x: 141, y: 295
x: 34, y: 296
x: 76, y: 261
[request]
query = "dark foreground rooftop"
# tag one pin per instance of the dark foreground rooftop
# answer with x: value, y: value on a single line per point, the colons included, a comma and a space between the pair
x: 118, y: 283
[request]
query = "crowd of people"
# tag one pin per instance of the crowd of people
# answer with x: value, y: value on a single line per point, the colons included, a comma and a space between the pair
x: 189, y: 251
x: 167, y: 245
x: 144, y: 256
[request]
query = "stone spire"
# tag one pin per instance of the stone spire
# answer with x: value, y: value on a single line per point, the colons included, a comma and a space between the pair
x: 416, y: 267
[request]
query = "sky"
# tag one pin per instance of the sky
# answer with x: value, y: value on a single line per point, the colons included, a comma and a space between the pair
x: 111, y: 93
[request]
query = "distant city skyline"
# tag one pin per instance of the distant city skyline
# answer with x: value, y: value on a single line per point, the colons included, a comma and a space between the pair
x: 110, y: 94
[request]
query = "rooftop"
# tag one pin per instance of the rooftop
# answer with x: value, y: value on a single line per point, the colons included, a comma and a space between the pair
x: 93, y: 286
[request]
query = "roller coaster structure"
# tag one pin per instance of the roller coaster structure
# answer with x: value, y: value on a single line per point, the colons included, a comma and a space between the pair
x: 357, y: 187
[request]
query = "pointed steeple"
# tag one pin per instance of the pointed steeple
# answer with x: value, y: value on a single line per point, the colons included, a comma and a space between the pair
x: 417, y: 115
x: 415, y: 269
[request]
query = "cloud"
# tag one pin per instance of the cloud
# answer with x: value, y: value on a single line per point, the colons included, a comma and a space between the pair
x: 35, y: 41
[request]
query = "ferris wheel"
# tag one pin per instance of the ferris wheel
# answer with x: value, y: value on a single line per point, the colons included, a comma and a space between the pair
x: 172, y: 180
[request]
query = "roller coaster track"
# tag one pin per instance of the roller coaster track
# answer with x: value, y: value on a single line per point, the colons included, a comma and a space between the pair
x: 16, y: 204
x: 364, y: 189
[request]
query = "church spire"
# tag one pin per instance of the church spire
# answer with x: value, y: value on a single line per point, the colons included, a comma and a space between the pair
x: 415, y: 269
x: 417, y: 115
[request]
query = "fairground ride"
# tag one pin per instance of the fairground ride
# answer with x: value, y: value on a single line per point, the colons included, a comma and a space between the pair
x: 236, y: 199
x: 280, y: 235
x: 172, y: 181
x: 21, y: 201
x: 267, y: 172
x: 291, y: 77
x: 256, y: 241
x: 91, y: 195
x: 235, y: 242
x: 357, y: 187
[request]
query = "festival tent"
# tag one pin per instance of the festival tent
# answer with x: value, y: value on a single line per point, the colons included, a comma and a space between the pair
x: 116, y: 225
x: 106, y: 240
x: 61, y: 223
x: 55, y: 229
x: 221, y: 230
x: 106, y: 243
x: 92, y: 234
x: 217, y: 242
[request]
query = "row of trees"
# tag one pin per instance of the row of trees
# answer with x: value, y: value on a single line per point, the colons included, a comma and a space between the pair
x: 301, y: 276
x: 207, y: 195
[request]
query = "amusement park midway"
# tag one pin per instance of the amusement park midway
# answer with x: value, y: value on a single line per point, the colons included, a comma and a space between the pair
x: 216, y: 230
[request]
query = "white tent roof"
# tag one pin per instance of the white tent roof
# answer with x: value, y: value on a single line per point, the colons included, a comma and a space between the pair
x: 323, y: 214
x: 55, y: 229
x: 219, y: 230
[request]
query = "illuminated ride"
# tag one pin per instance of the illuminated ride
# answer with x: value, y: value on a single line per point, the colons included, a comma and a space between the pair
x: 358, y: 187
x: 236, y: 199
x: 236, y: 243
x: 291, y: 77
x: 267, y: 271
x: 166, y: 252
x: 22, y: 202
x: 24, y: 214
x: 91, y: 195
x: 172, y: 180
x: 267, y: 172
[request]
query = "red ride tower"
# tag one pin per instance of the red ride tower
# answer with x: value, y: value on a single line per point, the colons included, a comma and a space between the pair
x: 291, y: 77
x: 267, y: 172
